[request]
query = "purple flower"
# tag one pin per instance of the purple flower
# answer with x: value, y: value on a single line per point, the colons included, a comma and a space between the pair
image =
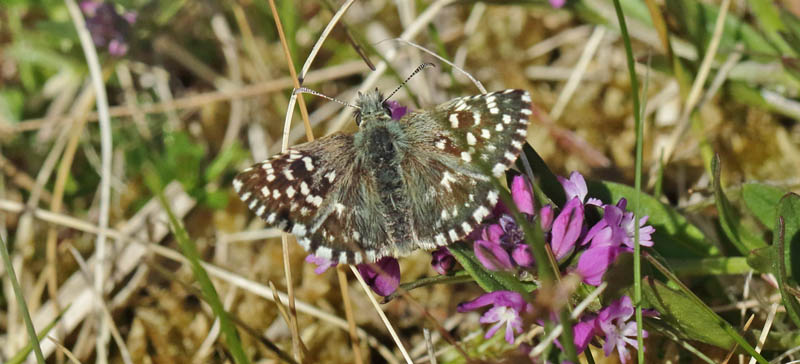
x: 508, y: 306
x: 442, y: 261
x: 594, y: 262
x: 612, y: 321
x: 522, y: 194
x: 107, y: 27
x: 322, y: 263
x: 617, y: 228
x: 575, y: 186
x: 582, y: 332
x: 557, y: 3
x: 567, y: 228
x: 492, y: 255
x: 398, y: 111
x: 385, y: 279
x: 546, y: 215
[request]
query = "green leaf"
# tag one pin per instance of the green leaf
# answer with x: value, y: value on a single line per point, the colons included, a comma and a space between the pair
x: 761, y: 259
x: 683, y: 315
x: 546, y: 179
x: 488, y: 280
x: 742, y: 238
x: 762, y: 200
x: 787, y: 240
x: 769, y: 18
x: 675, y: 237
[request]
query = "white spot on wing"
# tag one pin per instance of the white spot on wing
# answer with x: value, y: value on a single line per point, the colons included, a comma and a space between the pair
x: 440, y: 239
x: 492, y: 197
x: 526, y: 111
x: 446, y: 179
x: 499, y: 127
x: 290, y: 192
x: 261, y: 210
x: 299, y: 230
x: 308, y: 163
x: 276, y: 194
x: 510, y: 156
x: 494, y: 110
x: 454, y: 120
x: 288, y: 173
x: 304, y: 242
x: 466, y: 227
x: 471, y: 139
x: 479, y: 214
x: 506, y: 119
x: 331, y: 176
x: 498, y: 169
x: 485, y: 133
x: 304, y: 188
x: 324, y: 253
x: 453, y: 235
x: 246, y: 196
x: 271, y: 218
x: 265, y: 191
x: 370, y: 255
x: 237, y: 185
x: 526, y: 97
x: 476, y: 116
x: 466, y: 157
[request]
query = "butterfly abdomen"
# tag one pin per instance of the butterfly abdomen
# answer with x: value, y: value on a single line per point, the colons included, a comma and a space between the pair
x: 383, y: 143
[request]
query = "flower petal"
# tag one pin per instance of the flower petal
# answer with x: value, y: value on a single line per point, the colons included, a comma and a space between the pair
x: 567, y: 228
x: 383, y: 277
x: 594, y: 262
x: 492, y: 255
x: 522, y: 194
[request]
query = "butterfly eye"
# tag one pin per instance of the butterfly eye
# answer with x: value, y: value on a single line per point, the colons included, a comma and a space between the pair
x: 358, y: 118
x: 387, y: 109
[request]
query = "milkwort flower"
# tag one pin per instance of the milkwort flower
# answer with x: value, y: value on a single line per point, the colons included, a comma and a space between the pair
x: 507, y: 309
x: 107, y: 27
x: 615, y: 324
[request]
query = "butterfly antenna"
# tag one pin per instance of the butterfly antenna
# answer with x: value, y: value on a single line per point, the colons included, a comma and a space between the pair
x: 420, y: 68
x: 303, y: 90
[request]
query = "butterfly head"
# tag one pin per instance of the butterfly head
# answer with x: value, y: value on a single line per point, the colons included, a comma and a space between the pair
x: 371, y: 106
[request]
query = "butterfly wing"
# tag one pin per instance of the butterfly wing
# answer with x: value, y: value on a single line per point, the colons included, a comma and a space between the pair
x: 319, y: 192
x: 459, y: 146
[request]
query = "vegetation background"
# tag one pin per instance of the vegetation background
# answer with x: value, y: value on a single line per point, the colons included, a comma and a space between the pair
x: 197, y: 91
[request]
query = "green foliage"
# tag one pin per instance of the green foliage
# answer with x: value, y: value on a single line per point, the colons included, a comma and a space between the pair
x: 490, y: 281
x: 738, y: 234
x: 762, y: 201
x: 185, y: 160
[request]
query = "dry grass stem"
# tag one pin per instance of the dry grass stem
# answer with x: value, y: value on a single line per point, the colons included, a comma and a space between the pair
x: 202, y: 99
x: 100, y: 303
x: 765, y: 331
x: 348, y: 311
x: 320, y: 40
x: 474, y: 80
x: 105, y: 174
x: 697, y: 87
x: 577, y: 74
x: 382, y: 314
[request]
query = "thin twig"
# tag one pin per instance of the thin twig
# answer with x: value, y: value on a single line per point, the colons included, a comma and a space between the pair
x: 765, y: 331
x: 474, y: 80
x: 348, y: 311
x: 697, y: 87
x: 123, y: 349
x: 412, y: 30
x: 577, y: 74
x: 324, y: 35
x: 382, y: 314
x: 105, y: 147
x: 203, y: 99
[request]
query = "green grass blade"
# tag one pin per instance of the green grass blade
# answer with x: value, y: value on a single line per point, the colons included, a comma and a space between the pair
x: 23, y: 307
x: 23, y: 354
x: 232, y: 340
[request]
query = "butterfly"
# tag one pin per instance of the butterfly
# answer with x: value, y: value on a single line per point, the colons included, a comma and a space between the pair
x: 394, y: 186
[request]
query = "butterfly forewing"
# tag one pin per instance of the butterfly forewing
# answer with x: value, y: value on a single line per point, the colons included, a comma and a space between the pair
x: 311, y: 191
x: 461, y: 145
